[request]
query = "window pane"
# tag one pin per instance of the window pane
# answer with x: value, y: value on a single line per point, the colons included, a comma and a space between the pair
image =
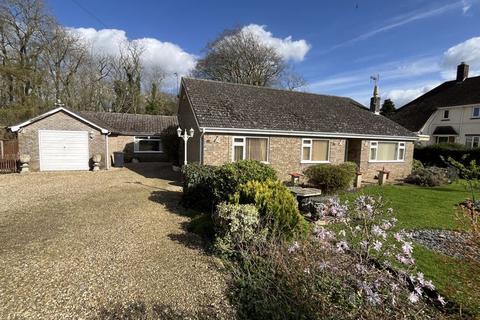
x: 320, y: 150
x: 306, y: 153
x: 373, y: 153
x: 149, y: 145
x: 387, y: 151
x: 468, y: 141
x: 257, y: 149
x: 446, y: 114
x: 238, y: 153
x: 475, y: 142
x: 476, y: 112
x: 401, y: 154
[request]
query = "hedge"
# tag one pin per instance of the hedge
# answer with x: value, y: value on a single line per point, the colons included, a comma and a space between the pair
x: 206, y: 186
x: 331, y: 178
x: 437, y: 155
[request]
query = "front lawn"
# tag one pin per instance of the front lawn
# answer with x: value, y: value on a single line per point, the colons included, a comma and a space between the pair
x: 434, y: 208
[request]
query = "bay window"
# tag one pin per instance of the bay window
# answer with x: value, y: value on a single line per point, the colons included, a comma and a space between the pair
x: 314, y: 150
x: 444, y: 139
x: 382, y: 151
x: 147, y: 145
x: 250, y: 148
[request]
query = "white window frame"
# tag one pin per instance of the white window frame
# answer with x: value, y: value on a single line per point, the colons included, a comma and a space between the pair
x: 137, y: 139
x: 447, y: 112
x: 243, y: 144
x: 473, y: 112
x: 310, y: 145
x: 401, y: 145
x: 472, y: 137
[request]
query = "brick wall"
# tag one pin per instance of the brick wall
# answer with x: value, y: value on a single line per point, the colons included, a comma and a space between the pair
x: 398, y: 170
x: 285, y: 155
x: 28, y: 136
x: 284, y: 152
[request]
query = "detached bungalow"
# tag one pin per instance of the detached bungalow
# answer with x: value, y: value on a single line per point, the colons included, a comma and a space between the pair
x: 290, y: 130
x: 61, y: 139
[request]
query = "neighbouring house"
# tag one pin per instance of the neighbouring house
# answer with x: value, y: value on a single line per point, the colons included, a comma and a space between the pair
x: 290, y: 130
x: 449, y: 113
x: 61, y: 139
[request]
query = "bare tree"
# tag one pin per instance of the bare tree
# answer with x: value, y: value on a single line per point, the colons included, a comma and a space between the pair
x: 240, y: 57
x: 292, y: 80
x: 63, y: 57
x: 24, y: 27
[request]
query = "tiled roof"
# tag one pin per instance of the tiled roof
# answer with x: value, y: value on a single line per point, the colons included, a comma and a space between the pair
x: 451, y: 93
x: 127, y: 123
x: 227, y: 105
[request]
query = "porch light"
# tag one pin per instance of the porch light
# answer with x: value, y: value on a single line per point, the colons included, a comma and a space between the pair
x: 179, y: 132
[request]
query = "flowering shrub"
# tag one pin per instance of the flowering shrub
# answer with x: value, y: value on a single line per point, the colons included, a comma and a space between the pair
x: 362, y: 269
x: 429, y: 176
x: 369, y: 237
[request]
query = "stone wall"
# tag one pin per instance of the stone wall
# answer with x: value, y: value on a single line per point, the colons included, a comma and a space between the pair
x: 28, y: 136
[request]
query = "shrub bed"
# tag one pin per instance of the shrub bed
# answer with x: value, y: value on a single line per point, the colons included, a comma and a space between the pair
x: 331, y: 178
x: 206, y: 186
x: 428, y: 176
x: 277, y: 206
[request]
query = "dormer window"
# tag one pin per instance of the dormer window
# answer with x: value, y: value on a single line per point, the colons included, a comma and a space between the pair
x: 476, y: 112
x: 446, y: 114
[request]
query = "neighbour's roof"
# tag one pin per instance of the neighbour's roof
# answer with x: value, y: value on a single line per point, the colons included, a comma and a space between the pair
x: 451, y: 93
x: 131, y: 124
x: 445, y: 130
x: 237, y: 106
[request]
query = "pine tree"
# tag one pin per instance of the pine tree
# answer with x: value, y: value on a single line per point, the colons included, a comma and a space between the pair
x: 388, y: 108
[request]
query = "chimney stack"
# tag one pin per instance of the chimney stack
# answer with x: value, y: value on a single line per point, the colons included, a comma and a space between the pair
x: 462, y: 72
x: 375, y: 101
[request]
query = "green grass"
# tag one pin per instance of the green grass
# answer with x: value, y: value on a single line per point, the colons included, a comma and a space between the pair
x: 435, y: 208
x: 422, y: 207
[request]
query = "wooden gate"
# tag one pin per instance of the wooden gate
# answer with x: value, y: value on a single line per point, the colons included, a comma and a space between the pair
x: 8, y: 156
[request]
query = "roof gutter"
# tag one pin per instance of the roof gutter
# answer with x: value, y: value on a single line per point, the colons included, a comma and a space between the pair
x: 304, y: 133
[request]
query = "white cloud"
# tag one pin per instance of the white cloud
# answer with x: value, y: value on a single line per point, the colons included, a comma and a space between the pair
x: 467, y: 51
x: 166, y: 56
x: 403, y: 96
x: 287, y: 48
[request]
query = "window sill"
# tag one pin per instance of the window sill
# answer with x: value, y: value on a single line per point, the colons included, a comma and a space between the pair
x: 313, y: 162
x: 386, y: 161
x: 445, y: 120
x: 475, y: 118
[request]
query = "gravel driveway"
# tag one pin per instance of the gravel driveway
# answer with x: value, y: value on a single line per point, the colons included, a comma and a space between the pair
x: 105, y: 245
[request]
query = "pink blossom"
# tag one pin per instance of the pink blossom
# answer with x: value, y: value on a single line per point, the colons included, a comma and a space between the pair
x: 377, y: 245
x: 342, y: 246
x: 293, y: 247
x: 413, y: 297
x: 407, y: 248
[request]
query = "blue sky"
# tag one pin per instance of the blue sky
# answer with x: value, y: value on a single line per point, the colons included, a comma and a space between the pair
x: 412, y: 44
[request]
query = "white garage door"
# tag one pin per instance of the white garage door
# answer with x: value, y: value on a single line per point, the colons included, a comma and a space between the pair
x: 63, y: 150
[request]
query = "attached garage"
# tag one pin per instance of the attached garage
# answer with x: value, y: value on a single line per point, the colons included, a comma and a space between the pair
x: 63, y: 140
x: 63, y: 150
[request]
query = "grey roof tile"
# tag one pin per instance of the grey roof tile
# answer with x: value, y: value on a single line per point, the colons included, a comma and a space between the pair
x: 228, y: 105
